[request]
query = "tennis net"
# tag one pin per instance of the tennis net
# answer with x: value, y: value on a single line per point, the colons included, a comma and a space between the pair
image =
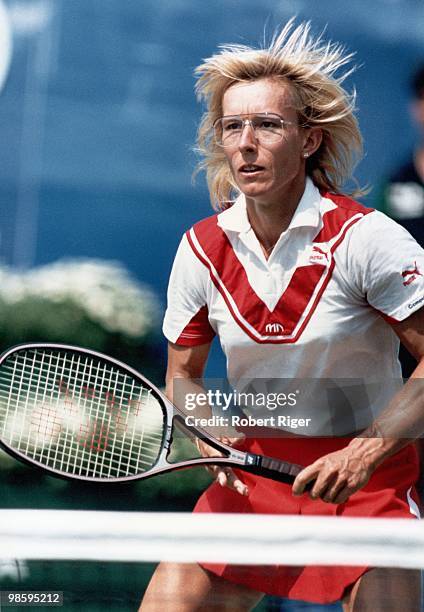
x: 184, y: 537
x: 47, y: 549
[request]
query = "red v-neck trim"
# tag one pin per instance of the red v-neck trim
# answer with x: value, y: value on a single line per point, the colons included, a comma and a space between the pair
x: 286, y: 322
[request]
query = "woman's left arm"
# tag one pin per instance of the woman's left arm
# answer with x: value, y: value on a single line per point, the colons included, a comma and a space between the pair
x: 340, y: 474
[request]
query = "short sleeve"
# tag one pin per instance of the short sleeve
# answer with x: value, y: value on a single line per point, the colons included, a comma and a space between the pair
x: 388, y: 266
x: 186, y: 319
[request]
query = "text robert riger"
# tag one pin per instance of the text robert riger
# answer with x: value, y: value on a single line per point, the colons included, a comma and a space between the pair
x: 247, y: 421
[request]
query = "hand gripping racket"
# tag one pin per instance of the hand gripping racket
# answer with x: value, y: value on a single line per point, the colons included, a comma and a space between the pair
x: 79, y: 414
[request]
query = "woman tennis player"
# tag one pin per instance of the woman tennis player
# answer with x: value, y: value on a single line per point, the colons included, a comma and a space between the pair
x: 298, y: 281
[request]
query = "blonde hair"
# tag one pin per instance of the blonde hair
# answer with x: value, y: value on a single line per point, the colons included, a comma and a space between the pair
x: 309, y: 65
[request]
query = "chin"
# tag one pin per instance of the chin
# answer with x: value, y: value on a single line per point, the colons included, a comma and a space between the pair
x: 256, y: 192
x: 252, y: 189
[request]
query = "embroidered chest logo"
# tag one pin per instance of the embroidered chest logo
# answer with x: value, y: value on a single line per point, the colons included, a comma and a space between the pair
x: 410, y: 275
x: 274, y: 328
x: 318, y: 255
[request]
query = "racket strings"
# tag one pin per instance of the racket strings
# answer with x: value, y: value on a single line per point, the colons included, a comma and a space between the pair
x: 78, y: 414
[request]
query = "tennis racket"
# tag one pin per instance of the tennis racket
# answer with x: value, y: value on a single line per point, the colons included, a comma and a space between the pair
x: 82, y: 415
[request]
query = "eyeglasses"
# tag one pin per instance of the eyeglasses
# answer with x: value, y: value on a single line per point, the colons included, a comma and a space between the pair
x: 267, y: 127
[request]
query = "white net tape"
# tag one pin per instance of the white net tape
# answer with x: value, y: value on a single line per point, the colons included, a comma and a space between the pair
x: 232, y: 538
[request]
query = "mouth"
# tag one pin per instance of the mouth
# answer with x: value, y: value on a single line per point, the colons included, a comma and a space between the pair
x: 250, y: 169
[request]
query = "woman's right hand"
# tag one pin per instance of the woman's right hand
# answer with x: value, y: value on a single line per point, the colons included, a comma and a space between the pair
x: 224, y: 475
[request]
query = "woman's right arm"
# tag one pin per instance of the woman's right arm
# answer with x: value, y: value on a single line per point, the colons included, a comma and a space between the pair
x: 186, y: 362
x: 186, y: 365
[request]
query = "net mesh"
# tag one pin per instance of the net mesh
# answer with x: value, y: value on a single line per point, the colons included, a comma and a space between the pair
x: 78, y: 414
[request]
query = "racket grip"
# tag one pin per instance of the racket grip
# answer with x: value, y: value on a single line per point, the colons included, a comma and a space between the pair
x: 276, y: 469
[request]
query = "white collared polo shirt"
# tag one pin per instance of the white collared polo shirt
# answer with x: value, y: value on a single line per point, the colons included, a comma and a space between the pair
x: 319, y: 308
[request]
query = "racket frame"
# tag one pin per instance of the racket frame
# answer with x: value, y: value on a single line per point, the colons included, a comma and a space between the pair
x: 173, y: 416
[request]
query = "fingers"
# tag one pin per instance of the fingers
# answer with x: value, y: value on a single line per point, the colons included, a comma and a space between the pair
x: 208, y: 451
x: 233, y: 441
x: 227, y: 478
x: 324, y: 484
x: 328, y: 486
x: 224, y: 475
x: 334, y: 477
x: 205, y: 450
x: 306, y: 476
x: 336, y: 490
x: 343, y: 496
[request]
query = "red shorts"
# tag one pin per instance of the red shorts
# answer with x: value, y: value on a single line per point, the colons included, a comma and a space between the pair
x: 386, y: 495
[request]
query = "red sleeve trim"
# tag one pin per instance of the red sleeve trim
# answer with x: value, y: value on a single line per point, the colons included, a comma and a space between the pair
x: 197, y: 331
x: 390, y: 320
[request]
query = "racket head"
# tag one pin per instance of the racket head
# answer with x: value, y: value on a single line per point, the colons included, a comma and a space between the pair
x: 80, y: 414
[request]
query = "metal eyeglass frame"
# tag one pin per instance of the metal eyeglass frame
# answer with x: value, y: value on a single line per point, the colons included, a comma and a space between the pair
x: 246, y: 121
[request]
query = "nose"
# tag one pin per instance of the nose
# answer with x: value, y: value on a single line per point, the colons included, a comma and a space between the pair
x: 248, y: 139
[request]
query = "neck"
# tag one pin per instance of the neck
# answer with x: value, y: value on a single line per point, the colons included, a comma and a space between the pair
x: 270, y: 218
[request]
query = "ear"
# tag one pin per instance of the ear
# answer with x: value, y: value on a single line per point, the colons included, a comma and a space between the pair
x: 313, y: 139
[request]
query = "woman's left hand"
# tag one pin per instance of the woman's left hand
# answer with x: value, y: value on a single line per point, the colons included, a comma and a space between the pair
x: 337, y: 476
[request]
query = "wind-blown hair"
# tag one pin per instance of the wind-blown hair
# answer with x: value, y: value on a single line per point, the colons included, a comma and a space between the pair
x: 309, y: 65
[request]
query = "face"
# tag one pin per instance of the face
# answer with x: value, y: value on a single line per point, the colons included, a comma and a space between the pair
x: 267, y: 173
